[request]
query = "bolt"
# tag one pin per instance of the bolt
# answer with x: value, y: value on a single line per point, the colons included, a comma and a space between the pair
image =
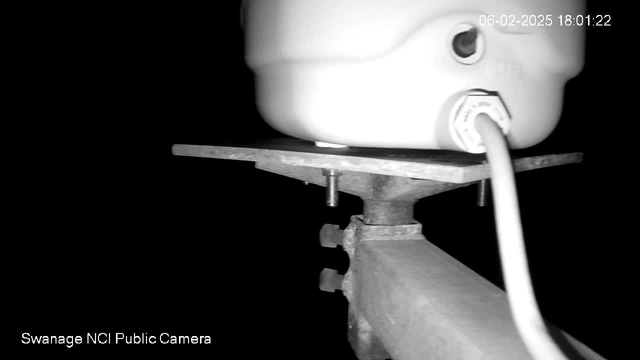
x: 330, y: 280
x: 482, y: 193
x: 332, y: 186
x: 330, y: 236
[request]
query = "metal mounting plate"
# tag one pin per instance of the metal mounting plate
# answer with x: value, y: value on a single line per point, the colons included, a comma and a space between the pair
x: 437, y: 165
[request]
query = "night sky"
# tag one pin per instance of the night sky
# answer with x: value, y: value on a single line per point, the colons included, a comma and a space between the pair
x: 118, y: 235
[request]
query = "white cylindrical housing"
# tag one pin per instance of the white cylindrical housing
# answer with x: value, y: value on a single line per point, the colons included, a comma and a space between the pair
x: 385, y: 73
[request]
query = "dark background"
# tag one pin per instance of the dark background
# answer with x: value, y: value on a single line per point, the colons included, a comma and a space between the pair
x: 117, y: 235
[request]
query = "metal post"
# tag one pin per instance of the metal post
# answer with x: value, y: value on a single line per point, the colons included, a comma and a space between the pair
x: 388, y: 212
x: 419, y: 302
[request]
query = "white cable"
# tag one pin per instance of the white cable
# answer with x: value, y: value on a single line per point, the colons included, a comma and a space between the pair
x: 513, y: 256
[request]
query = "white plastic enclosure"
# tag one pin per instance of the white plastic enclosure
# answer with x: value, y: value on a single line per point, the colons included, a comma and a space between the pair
x: 386, y: 73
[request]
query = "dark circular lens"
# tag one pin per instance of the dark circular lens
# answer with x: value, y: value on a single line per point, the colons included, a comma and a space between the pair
x: 464, y: 43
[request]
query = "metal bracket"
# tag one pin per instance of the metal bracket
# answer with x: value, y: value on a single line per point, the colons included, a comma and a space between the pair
x: 407, y: 298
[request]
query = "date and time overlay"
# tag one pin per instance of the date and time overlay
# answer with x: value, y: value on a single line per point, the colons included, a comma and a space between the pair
x: 531, y: 20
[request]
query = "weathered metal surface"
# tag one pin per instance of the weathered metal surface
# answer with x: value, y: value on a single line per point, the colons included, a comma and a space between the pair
x: 351, y: 182
x: 388, y: 212
x: 365, y: 185
x: 438, y: 165
x: 420, y: 302
x: 362, y: 338
x: 410, y: 300
x: 395, y: 188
